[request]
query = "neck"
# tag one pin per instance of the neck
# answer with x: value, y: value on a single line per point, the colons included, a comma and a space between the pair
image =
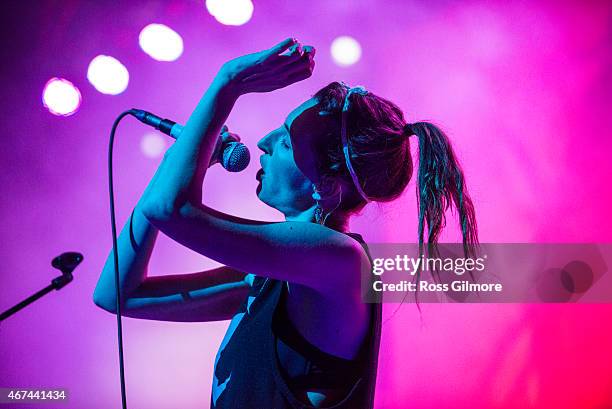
x: 335, y: 221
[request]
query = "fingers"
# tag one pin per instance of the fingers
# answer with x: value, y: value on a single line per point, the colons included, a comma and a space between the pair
x: 304, y: 64
x: 279, y: 78
x: 289, y: 55
x: 281, y: 69
x: 282, y: 46
x: 293, y: 52
x: 310, y: 50
x: 227, y: 136
x: 281, y: 81
x: 284, y: 64
x: 293, y: 62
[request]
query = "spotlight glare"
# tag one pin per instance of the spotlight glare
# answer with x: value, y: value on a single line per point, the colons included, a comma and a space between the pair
x: 152, y: 144
x: 108, y: 75
x: 161, y: 42
x: 61, y: 97
x: 230, y: 12
x: 345, y: 51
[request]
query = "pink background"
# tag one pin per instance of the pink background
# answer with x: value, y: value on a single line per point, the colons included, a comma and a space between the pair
x: 522, y: 89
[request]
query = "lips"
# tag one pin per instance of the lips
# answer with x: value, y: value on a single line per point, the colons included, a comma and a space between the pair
x: 260, y: 174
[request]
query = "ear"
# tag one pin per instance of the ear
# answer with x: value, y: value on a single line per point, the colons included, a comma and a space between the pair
x: 315, y: 193
x: 316, y: 196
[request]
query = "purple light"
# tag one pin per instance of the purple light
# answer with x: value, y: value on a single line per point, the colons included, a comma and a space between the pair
x: 345, y: 51
x: 230, y: 12
x: 161, y: 42
x: 152, y: 145
x: 61, y: 97
x: 108, y: 75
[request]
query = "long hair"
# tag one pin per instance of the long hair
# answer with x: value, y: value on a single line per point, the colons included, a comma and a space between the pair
x: 379, y: 145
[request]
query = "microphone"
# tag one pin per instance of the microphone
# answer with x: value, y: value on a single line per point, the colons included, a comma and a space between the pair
x: 233, y: 156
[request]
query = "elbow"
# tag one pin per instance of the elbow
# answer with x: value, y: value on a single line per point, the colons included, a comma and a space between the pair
x: 157, y: 211
x: 104, y: 302
x: 107, y: 302
x: 161, y: 213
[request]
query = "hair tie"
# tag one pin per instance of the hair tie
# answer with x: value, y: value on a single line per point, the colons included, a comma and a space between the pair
x: 408, y: 130
x: 347, y: 156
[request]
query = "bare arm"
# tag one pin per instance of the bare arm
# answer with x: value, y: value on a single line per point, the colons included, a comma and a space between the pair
x: 182, y: 172
x: 178, y: 180
x: 210, y: 295
x: 299, y: 252
x: 205, y: 296
x: 135, y: 244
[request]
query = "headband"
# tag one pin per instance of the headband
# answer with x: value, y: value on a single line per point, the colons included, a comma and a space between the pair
x: 408, y: 131
x: 347, y: 157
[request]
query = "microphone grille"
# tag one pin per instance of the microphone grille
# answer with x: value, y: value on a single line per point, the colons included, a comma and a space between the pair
x: 236, y: 157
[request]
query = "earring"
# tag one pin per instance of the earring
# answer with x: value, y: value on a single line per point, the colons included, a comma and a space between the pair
x: 316, y: 195
x: 318, y: 213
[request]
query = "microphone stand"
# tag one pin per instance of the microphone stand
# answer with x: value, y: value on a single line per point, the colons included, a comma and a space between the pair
x: 66, y: 263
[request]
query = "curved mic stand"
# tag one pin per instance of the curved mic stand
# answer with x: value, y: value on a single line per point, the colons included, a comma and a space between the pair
x: 66, y: 263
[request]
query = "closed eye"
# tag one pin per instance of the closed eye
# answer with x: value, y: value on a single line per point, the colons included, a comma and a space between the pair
x: 285, y: 142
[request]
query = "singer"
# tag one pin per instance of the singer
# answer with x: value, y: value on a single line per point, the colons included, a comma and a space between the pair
x: 300, y: 335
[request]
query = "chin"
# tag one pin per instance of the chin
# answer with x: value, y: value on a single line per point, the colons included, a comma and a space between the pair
x: 262, y: 198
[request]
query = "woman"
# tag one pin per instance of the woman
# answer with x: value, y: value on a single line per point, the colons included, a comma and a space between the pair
x: 300, y: 335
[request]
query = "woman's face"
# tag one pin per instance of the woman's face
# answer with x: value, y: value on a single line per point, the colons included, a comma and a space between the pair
x: 281, y: 183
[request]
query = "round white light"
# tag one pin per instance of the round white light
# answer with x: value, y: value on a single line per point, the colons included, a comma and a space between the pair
x: 161, y: 42
x: 108, y: 75
x: 61, y: 97
x: 152, y: 144
x: 230, y: 12
x: 345, y: 51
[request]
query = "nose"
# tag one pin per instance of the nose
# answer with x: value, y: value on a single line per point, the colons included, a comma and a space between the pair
x: 265, y: 143
x: 261, y: 144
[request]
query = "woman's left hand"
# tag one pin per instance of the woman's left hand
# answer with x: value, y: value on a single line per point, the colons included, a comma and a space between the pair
x: 225, y: 137
x: 269, y: 69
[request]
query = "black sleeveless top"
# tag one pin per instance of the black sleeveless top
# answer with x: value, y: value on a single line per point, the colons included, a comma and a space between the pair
x: 248, y: 372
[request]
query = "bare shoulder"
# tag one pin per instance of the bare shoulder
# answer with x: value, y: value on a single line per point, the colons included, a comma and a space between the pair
x: 343, y: 260
x: 299, y: 252
x: 325, y: 325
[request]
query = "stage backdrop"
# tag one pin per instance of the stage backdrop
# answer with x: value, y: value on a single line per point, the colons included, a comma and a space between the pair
x: 522, y: 89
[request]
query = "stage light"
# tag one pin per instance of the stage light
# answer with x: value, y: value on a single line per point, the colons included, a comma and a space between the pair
x: 230, y: 12
x: 108, y: 75
x: 345, y: 51
x: 161, y: 42
x: 61, y: 97
x: 152, y: 144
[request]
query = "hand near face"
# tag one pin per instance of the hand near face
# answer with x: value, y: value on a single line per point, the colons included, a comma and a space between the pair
x: 225, y: 137
x: 277, y: 67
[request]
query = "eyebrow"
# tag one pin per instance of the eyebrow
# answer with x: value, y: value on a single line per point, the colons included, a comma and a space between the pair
x: 286, y: 127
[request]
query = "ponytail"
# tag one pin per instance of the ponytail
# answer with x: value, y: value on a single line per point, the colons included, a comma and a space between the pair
x: 440, y: 183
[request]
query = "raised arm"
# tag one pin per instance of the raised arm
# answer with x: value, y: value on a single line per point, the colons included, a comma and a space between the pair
x: 182, y: 175
x: 203, y: 296
x: 299, y: 252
